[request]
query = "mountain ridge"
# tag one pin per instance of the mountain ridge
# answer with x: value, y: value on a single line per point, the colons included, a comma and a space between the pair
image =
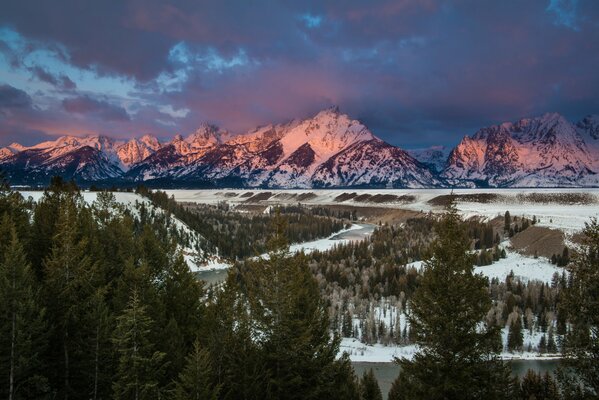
x: 329, y: 150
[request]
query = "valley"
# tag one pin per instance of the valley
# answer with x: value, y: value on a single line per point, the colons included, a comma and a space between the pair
x: 559, y: 214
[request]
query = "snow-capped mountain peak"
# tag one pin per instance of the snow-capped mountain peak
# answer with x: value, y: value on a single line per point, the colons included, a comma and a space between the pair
x: 206, y: 135
x: 542, y: 151
x: 329, y: 149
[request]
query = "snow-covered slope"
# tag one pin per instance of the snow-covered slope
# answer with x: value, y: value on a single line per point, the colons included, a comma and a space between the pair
x: 374, y: 163
x: 434, y: 156
x: 136, y: 150
x: 329, y: 149
x: 546, y: 151
x: 296, y: 154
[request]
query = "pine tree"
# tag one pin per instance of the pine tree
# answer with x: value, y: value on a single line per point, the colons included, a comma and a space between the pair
x: 22, y: 325
x: 446, y: 311
x: 342, y: 383
x: 536, y: 386
x: 551, y: 345
x: 515, y: 338
x: 369, y: 387
x: 100, y: 321
x: 580, y: 366
x: 195, y: 381
x: 239, y: 371
x: 291, y: 321
x: 507, y: 222
x: 275, y: 326
x: 140, y: 367
x: 395, y: 393
x: 346, y: 328
x: 70, y: 281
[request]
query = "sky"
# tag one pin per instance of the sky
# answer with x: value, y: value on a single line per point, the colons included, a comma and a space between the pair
x: 416, y: 72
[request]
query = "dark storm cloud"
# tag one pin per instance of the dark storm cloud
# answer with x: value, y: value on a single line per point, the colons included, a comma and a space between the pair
x: 102, y: 109
x: 11, y: 97
x: 417, y: 72
x: 60, y: 81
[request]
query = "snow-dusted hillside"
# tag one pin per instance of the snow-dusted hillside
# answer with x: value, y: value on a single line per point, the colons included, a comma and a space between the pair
x: 193, y: 253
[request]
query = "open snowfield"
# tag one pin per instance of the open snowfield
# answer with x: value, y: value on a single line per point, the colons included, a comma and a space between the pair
x: 567, y: 217
x: 377, y: 353
x: 525, y: 268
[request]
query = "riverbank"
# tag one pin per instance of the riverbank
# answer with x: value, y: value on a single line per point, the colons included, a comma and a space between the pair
x: 386, y: 372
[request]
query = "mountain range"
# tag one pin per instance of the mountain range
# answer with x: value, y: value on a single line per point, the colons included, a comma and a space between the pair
x: 325, y: 151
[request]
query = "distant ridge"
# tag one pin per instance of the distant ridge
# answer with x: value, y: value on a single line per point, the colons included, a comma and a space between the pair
x: 328, y: 150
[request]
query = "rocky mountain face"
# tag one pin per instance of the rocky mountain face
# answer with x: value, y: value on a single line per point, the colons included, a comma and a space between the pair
x: 547, y: 151
x: 435, y: 156
x: 327, y: 150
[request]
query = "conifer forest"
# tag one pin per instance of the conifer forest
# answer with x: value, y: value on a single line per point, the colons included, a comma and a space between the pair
x: 98, y: 301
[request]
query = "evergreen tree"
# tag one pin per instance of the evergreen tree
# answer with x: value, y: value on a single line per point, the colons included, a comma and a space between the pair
x: 195, y: 382
x: 535, y: 386
x: 291, y: 321
x: 515, y: 338
x: 140, y: 367
x: 580, y: 367
x: 507, y: 222
x: 395, y: 393
x: 22, y: 325
x: 69, y: 285
x: 457, y: 359
x: 342, y: 382
x: 227, y: 325
x: 346, y: 328
x: 369, y: 387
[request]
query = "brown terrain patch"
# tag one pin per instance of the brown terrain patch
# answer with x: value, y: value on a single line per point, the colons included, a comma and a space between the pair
x: 345, y: 196
x: 559, y: 198
x: 375, y: 215
x: 294, y: 196
x: 374, y: 198
x: 306, y: 196
x: 539, y: 240
x: 247, y: 194
x: 262, y: 196
x: 445, y: 199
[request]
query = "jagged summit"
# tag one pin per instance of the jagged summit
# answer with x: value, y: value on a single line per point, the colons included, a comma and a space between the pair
x: 329, y: 149
x: 542, y: 151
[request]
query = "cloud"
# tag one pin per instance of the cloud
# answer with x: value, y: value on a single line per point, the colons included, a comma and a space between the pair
x: 417, y: 72
x: 565, y: 13
x: 99, y: 108
x: 59, y: 80
x: 11, y: 97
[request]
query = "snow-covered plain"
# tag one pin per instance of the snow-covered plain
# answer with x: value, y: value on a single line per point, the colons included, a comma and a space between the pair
x: 567, y: 217
x: 525, y: 268
x: 376, y: 353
